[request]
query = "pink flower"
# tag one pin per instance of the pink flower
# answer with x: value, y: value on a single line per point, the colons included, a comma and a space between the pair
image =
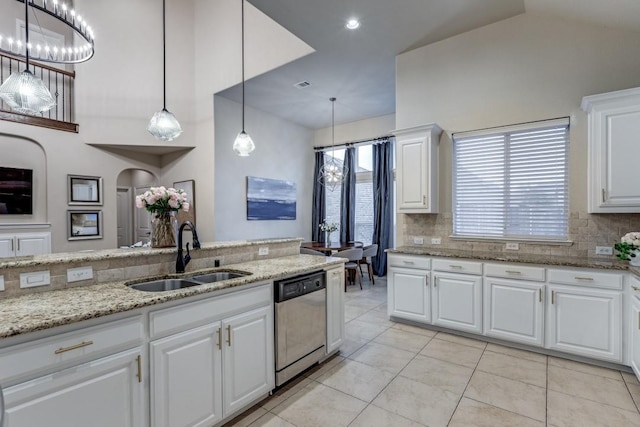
x: 185, y: 206
x: 140, y: 201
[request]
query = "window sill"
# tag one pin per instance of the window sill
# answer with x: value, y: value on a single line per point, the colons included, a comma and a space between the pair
x: 507, y: 239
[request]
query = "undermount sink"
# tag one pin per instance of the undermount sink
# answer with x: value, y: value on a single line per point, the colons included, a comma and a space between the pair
x: 163, y: 285
x: 218, y: 276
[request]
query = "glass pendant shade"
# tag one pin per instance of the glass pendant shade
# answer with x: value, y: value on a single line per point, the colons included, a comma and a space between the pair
x: 243, y: 145
x: 332, y: 174
x: 164, y: 126
x: 25, y: 93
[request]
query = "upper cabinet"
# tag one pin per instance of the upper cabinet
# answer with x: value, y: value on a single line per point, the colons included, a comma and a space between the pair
x: 417, y: 169
x: 614, y: 126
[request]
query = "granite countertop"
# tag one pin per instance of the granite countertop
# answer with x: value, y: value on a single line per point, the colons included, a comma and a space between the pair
x: 586, y: 262
x: 45, y: 310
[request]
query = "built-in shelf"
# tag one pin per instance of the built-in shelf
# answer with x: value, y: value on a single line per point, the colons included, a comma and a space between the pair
x: 157, y: 150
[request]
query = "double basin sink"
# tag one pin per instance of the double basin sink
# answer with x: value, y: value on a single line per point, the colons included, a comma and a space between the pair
x: 162, y: 285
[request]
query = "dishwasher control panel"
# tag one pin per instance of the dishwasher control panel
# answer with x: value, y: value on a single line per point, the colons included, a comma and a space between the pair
x: 300, y: 285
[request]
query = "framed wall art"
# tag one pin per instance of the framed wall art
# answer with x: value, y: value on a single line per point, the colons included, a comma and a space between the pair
x: 270, y: 199
x: 84, y: 190
x: 84, y: 225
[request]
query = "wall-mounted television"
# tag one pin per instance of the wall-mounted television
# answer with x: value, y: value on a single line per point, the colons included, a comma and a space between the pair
x: 16, y: 191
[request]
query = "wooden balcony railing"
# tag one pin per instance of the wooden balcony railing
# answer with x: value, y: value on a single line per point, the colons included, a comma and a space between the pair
x: 59, y: 82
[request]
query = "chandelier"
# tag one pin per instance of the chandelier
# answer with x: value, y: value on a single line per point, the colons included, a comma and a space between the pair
x: 332, y: 172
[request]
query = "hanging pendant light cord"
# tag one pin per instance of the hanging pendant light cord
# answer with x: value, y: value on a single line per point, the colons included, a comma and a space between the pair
x: 333, y: 126
x: 164, y: 56
x: 242, y: 26
x: 26, y: 32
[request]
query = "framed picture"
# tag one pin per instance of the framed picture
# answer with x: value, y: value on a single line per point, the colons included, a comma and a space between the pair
x: 189, y: 186
x: 270, y: 199
x: 84, y: 225
x: 84, y: 190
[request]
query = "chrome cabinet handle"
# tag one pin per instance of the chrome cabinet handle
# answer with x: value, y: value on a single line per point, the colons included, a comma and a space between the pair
x: 408, y: 262
x: 73, y: 347
x: 603, y: 194
x: 588, y: 279
x: 229, y: 335
x: 456, y: 267
x: 512, y: 272
x: 426, y: 281
x: 553, y: 297
x: 219, y: 332
x: 539, y: 294
x: 139, y: 374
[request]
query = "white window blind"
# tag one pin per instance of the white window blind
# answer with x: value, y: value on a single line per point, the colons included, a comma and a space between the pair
x: 512, y: 182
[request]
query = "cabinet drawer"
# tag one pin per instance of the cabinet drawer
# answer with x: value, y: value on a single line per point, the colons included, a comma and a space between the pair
x: 456, y: 266
x: 409, y: 261
x: 43, y: 354
x: 513, y: 271
x: 189, y: 315
x: 588, y: 278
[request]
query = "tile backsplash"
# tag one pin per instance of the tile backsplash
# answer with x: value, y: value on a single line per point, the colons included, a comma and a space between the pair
x: 586, y: 231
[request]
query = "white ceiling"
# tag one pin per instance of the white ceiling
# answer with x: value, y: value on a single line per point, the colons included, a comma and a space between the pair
x: 358, y: 67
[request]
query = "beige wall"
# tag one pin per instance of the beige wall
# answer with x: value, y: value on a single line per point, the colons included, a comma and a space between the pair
x: 360, y: 130
x: 529, y: 67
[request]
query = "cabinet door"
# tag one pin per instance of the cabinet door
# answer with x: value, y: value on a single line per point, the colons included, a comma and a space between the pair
x: 412, y: 168
x: 186, y: 378
x: 335, y: 309
x: 635, y: 335
x: 102, y: 393
x: 7, y: 246
x: 408, y: 294
x: 457, y: 301
x: 248, y: 360
x: 514, y: 310
x: 585, y: 321
x: 33, y: 244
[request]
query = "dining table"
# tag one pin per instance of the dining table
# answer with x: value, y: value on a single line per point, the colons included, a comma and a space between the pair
x: 328, y: 248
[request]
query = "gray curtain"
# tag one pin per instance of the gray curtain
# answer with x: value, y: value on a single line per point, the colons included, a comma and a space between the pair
x: 382, y: 203
x: 319, y: 211
x: 348, y: 197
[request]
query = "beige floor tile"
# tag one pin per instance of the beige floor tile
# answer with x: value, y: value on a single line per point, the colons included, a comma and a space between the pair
x: 570, y: 411
x: 438, y: 373
x: 381, y: 307
x: 384, y: 357
x: 514, y: 368
x: 323, y: 367
x: 247, y: 417
x: 461, y: 340
x: 319, y: 405
x: 630, y: 378
x: 586, y: 368
x: 471, y: 413
x: 285, y: 392
x: 270, y: 420
x: 524, y: 354
x: 357, y: 379
x: 349, y: 347
x: 514, y: 396
x: 425, y: 404
x: 415, y: 329
x: 352, y: 312
x: 373, y: 416
x: 376, y: 317
x: 453, y: 353
x: 403, y: 340
x: 364, y: 302
x: 357, y: 330
x: 591, y: 387
x: 634, y: 390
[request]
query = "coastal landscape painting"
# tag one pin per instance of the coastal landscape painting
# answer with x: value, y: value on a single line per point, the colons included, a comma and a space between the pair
x: 270, y: 199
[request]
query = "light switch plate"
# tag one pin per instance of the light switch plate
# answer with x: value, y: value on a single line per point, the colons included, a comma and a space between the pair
x: 436, y: 241
x: 1, y: 283
x: 263, y: 250
x: 34, y: 279
x: 418, y: 240
x: 512, y: 246
x: 79, y: 274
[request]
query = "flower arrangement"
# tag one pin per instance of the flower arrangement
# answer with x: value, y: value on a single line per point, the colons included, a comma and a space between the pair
x: 328, y: 227
x: 628, y: 245
x: 160, y: 199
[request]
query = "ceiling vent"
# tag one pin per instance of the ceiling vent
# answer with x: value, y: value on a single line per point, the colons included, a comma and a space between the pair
x: 302, y: 85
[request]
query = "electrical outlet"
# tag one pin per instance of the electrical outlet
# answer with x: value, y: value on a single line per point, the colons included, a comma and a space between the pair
x: 436, y: 241
x: 1, y: 283
x: 216, y: 263
x: 512, y: 246
x: 418, y: 240
x: 263, y: 250
x: 79, y: 274
x: 604, y: 250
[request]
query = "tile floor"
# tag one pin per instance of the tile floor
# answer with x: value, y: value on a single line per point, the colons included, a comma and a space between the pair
x: 391, y: 374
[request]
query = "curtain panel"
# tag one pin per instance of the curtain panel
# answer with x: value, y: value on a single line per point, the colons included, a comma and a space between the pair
x: 348, y: 197
x: 382, y: 203
x: 318, y: 210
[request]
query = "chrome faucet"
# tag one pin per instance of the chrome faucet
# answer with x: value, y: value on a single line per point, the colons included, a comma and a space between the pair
x: 181, y: 262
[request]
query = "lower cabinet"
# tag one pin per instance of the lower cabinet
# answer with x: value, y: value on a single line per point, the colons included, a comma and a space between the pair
x: 514, y: 310
x: 585, y: 321
x: 335, y: 309
x: 23, y: 244
x: 103, y: 393
x: 457, y: 301
x: 408, y: 294
x: 635, y: 335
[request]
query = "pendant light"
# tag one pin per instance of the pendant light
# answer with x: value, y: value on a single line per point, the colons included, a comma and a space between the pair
x: 163, y: 125
x: 332, y: 172
x: 243, y: 145
x: 23, y: 92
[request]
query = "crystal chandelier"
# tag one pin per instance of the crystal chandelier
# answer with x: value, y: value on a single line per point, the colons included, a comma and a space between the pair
x: 164, y: 125
x: 243, y: 145
x: 25, y: 93
x: 332, y: 172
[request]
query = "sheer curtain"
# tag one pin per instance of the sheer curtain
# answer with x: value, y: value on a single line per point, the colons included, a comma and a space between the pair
x: 319, y: 209
x: 382, y: 203
x: 348, y: 197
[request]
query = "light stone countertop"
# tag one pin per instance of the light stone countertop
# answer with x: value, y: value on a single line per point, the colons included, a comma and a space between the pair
x: 46, y: 310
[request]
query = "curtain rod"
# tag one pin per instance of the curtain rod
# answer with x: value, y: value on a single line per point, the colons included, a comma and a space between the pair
x: 353, y: 143
x: 515, y: 124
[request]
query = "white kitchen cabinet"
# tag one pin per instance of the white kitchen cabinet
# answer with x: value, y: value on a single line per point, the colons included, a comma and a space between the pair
x: 585, y: 321
x: 614, y: 126
x: 457, y: 301
x: 102, y: 393
x: 514, y: 310
x: 24, y: 244
x: 408, y: 294
x: 417, y: 169
x: 335, y: 309
x: 635, y: 335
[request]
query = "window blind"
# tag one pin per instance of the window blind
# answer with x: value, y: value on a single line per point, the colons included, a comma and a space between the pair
x: 512, y: 182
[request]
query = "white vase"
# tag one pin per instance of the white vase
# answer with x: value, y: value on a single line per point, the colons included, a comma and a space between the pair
x: 635, y: 260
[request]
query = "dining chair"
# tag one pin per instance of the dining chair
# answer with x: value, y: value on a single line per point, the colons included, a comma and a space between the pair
x: 351, y: 268
x: 307, y: 251
x: 367, y: 253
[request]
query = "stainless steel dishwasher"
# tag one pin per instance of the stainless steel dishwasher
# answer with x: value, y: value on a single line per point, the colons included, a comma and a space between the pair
x: 300, y: 323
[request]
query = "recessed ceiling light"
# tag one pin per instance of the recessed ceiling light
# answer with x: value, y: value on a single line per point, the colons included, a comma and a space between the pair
x: 352, y: 24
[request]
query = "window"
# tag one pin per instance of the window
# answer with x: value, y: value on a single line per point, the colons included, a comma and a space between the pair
x: 512, y: 182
